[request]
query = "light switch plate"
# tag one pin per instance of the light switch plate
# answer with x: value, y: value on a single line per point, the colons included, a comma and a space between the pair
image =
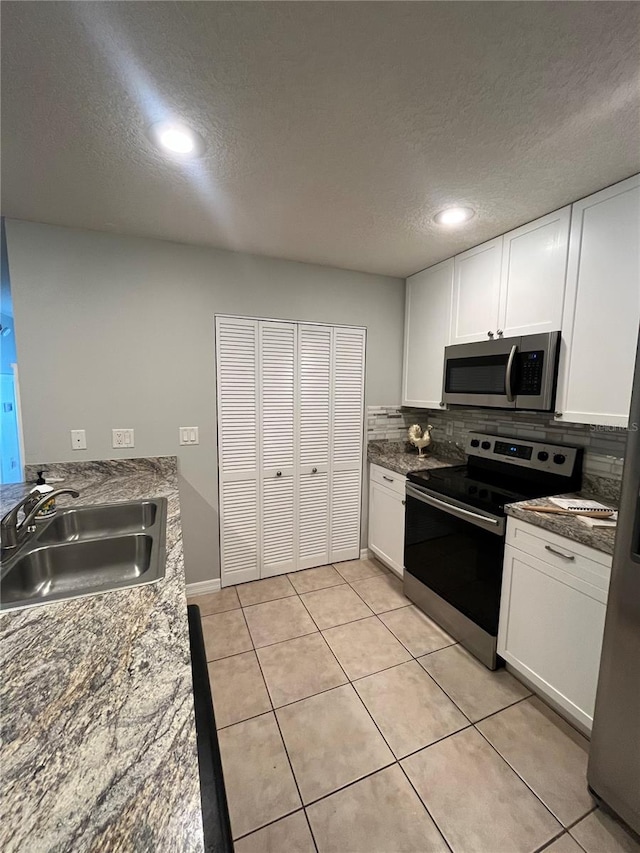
x: 78, y: 439
x: 448, y: 429
x: 122, y: 438
x: 188, y: 435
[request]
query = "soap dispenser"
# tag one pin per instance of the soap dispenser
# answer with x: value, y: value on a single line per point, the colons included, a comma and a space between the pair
x: 40, y: 489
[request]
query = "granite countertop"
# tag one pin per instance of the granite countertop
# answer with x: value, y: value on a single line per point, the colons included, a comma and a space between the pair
x: 98, y: 731
x: 396, y: 456
x: 600, y: 538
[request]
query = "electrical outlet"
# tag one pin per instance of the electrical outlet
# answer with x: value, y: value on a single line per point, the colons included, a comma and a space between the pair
x: 122, y: 438
x: 188, y: 435
x: 78, y: 439
x: 448, y: 429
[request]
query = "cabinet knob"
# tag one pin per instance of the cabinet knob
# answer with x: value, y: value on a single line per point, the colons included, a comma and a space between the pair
x: 490, y: 334
x: 442, y: 404
x: 403, y: 503
x: 500, y: 333
x: 278, y: 473
x: 557, y: 415
x: 314, y: 470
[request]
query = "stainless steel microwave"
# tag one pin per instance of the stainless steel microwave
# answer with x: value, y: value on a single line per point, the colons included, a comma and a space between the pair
x: 507, y: 373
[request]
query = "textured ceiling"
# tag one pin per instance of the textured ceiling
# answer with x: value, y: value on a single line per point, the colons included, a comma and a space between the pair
x: 334, y: 130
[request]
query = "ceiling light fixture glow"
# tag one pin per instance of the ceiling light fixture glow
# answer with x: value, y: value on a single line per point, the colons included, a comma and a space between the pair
x: 454, y: 215
x: 176, y: 138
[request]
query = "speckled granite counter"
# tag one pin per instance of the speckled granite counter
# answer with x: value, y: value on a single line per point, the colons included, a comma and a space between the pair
x: 97, y: 726
x: 394, y: 456
x: 602, y: 539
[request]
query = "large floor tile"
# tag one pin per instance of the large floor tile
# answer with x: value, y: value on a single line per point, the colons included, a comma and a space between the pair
x: 416, y: 631
x: 409, y: 708
x: 379, y: 814
x: 238, y: 689
x: 268, y: 589
x: 365, y: 647
x: 331, y: 741
x: 335, y: 606
x: 299, y: 668
x: 477, y: 801
x: 547, y: 753
x: 310, y: 579
x: 381, y: 594
x: 290, y: 834
x: 275, y: 621
x: 564, y: 844
x: 216, y: 602
x: 599, y: 833
x: 476, y: 690
x: 225, y: 634
x: 260, y: 785
x: 357, y: 570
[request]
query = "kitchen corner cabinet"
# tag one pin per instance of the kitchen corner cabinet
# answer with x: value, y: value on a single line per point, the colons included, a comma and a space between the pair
x: 426, y: 334
x: 552, y: 612
x: 602, y: 307
x: 386, y: 517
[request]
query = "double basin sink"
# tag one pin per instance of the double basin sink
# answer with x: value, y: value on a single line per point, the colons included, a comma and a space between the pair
x: 87, y: 550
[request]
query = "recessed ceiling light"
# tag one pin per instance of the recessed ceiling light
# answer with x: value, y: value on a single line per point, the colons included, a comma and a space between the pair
x: 454, y: 215
x: 176, y: 138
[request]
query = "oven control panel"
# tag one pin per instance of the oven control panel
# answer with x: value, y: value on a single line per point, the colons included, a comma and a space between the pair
x: 543, y: 456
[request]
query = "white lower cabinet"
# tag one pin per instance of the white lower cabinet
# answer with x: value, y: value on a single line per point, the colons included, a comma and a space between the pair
x: 552, y: 612
x: 386, y: 517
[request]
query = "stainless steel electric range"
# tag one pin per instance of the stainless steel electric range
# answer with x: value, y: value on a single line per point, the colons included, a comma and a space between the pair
x: 455, y: 530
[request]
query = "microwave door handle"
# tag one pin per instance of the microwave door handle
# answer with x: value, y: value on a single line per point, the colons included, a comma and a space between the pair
x: 509, y: 375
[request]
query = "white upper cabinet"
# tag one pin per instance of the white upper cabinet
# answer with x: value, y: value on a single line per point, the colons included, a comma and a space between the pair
x: 602, y: 307
x: 426, y: 334
x: 476, y: 293
x: 534, y: 267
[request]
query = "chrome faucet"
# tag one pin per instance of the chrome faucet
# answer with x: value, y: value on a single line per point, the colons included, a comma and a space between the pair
x: 14, y: 533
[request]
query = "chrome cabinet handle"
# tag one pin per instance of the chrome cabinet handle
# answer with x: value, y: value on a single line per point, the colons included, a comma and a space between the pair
x: 314, y: 470
x: 559, y: 553
x: 389, y: 479
x: 500, y: 333
x: 490, y: 334
x: 278, y: 473
x: 509, y: 388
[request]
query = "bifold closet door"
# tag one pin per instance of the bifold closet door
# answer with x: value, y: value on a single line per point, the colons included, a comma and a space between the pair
x: 238, y: 448
x: 277, y: 368
x: 313, y: 431
x: 347, y: 398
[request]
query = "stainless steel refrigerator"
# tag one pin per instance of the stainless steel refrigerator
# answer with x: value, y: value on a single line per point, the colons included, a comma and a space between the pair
x: 614, y: 758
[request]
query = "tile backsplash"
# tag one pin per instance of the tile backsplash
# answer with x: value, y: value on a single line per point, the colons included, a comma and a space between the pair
x: 604, y: 446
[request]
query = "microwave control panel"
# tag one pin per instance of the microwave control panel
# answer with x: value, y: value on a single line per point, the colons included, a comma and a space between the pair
x: 530, y: 372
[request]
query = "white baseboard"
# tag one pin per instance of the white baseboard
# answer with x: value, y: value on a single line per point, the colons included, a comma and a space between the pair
x: 203, y: 587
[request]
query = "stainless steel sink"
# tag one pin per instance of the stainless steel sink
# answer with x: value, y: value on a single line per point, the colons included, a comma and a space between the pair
x: 87, y: 550
x: 88, y: 522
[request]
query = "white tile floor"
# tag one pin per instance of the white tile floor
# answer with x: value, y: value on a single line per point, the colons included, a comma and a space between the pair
x: 350, y: 723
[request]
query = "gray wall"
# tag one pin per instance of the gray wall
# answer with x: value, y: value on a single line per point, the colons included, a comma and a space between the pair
x: 118, y: 332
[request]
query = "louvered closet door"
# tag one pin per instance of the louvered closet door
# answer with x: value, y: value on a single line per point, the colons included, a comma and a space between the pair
x: 278, y: 487
x: 238, y: 449
x: 313, y: 431
x: 346, y: 443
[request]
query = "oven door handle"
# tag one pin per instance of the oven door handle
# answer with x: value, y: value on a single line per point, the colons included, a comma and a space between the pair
x: 495, y: 525
x: 509, y: 375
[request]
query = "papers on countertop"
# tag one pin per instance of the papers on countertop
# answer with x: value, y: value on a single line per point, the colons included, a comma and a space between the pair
x: 582, y: 503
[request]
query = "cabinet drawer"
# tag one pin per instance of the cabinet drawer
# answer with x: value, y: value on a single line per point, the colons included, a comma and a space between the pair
x: 393, y: 481
x: 579, y: 561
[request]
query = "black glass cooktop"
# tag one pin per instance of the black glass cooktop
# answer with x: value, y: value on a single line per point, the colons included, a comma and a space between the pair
x: 485, y: 490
